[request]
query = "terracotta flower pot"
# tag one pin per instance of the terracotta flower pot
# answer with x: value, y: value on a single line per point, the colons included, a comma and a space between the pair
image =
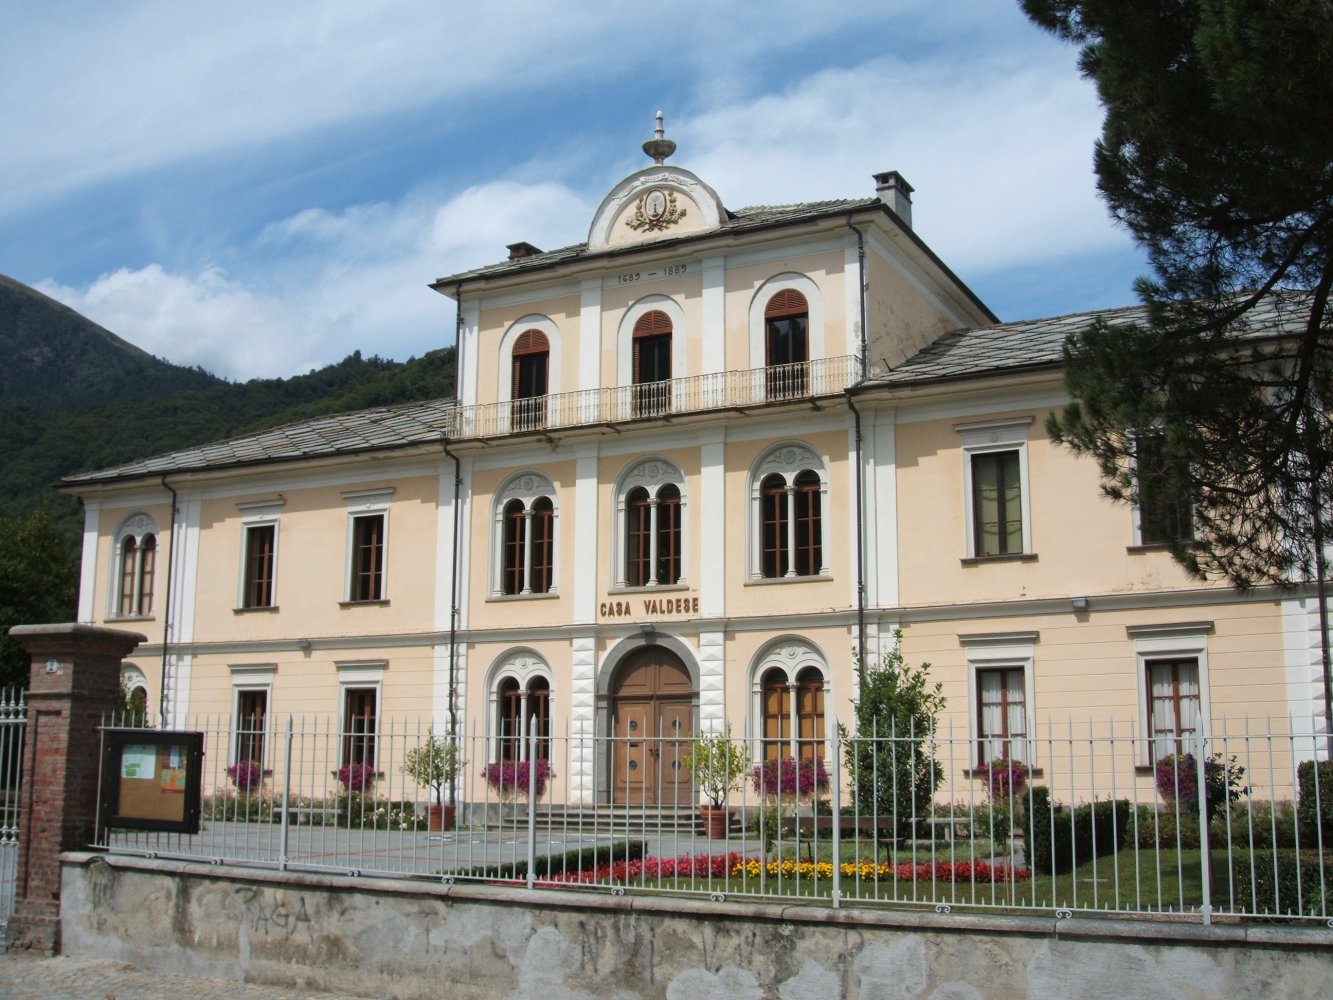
x: 716, y: 821
x: 442, y: 817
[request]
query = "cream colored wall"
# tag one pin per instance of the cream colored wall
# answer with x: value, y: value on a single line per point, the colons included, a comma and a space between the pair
x: 562, y: 309
x: 1085, y: 684
x: 687, y: 292
x: 312, y: 566
x: 901, y: 319
x: 1081, y: 540
x: 743, y: 284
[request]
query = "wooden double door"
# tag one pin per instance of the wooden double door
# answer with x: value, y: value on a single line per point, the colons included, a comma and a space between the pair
x: 652, y: 717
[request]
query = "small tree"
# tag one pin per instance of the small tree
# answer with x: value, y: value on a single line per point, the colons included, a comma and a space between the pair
x: 718, y: 765
x: 434, y: 764
x: 892, y: 759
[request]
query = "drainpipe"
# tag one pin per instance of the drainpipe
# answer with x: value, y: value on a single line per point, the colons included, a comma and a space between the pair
x: 859, y: 534
x: 860, y: 466
x: 453, y: 604
x: 861, y: 291
x: 166, y: 609
x: 458, y: 347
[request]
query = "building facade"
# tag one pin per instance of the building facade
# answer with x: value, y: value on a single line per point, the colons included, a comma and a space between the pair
x: 695, y: 466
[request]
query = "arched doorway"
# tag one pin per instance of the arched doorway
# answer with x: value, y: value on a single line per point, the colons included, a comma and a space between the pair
x: 652, y: 713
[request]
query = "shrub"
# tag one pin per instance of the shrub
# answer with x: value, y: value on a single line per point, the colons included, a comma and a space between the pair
x: 891, y: 762
x: 1165, y: 828
x: 993, y: 822
x: 558, y: 864
x: 1060, y: 840
x: 789, y: 778
x: 1282, y: 882
x: 511, y: 777
x: 1263, y: 825
x: 1314, y: 806
x: 1177, y: 778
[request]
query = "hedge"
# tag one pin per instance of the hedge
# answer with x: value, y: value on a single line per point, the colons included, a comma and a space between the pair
x: 548, y: 864
x: 1060, y: 840
x: 1312, y: 811
x: 1281, y: 882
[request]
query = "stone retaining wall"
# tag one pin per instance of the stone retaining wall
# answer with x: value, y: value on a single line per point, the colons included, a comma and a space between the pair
x: 404, y: 940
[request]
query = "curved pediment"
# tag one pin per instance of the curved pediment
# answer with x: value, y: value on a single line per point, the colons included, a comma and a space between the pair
x: 655, y: 203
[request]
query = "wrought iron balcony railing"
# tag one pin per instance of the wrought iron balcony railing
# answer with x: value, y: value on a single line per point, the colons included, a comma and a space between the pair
x: 697, y: 394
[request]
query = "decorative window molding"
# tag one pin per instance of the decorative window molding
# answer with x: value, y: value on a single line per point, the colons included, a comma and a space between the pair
x: 989, y: 655
x: 625, y: 368
x: 997, y: 507
x: 1166, y: 643
x: 251, y: 709
x: 651, y: 538
x: 758, y: 319
x: 789, y: 694
x: 788, y: 504
x: 524, y: 543
x: 258, y: 572
x: 367, y: 561
x: 134, y: 568
x: 519, y: 690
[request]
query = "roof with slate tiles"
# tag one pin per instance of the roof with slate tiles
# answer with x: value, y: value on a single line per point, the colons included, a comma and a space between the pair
x: 742, y: 220
x: 1005, y: 348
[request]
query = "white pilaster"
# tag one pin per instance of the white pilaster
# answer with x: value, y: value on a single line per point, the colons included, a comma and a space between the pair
x: 851, y: 267
x: 469, y: 334
x: 712, y: 682
x: 582, y: 717
x: 1304, y: 668
x: 590, y: 334
x: 586, y: 557
x: 92, y: 511
x: 712, y: 521
x: 714, y: 331
x: 879, y: 448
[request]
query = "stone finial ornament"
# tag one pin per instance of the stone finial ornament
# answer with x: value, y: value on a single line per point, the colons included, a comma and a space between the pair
x: 659, y: 147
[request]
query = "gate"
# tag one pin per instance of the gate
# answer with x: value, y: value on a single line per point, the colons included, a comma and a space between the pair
x: 13, y: 720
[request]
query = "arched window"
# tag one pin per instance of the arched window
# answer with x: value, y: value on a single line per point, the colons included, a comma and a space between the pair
x: 652, y: 364
x: 531, y: 362
x: 136, y: 568
x: 525, y: 537
x: 789, y: 514
x: 652, y: 526
x: 786, y: 349
x: 519, y: 705
x: 789, y: 694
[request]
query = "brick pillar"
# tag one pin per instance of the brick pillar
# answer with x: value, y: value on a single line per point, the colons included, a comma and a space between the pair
x: 75, y: 683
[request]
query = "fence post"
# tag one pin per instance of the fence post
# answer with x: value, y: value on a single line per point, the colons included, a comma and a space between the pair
x: 74, y: 687
x: 1205, y: 851
x: 836, y: 829
x: 286, y: 795
x: 532, y: 799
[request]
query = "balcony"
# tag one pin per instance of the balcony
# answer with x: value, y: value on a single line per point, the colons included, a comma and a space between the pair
x: 733, y: 390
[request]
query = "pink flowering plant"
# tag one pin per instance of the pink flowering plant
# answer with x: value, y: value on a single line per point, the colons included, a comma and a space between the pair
x: 246, y: 775
x: 1005, y: 779
x: 789, y: 778
x: 511, y: 777
x: 1177, y: 777
x: 356, y: 777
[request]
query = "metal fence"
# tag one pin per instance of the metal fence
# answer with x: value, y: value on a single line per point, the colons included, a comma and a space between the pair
x: 13, y: 720
x: 1236, y: 824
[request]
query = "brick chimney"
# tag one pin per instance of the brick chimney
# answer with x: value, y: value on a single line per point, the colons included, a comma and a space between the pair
x: 517, y: 251
x: 895, y: 192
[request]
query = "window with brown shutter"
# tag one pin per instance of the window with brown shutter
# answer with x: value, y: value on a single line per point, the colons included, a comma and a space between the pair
x: 786, y: 319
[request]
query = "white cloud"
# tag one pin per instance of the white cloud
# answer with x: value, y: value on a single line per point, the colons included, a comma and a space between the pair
x: 320, y: 285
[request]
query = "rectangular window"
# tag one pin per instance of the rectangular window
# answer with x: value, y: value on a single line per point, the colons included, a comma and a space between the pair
x: 1001, y: 715
x: 367, y: 558
x: 359, y: 724
x: 997, y: 504
x: 251, y: 712
x: 1165, y: 513
x: 1173, y: 704
x: 260, y: 552
x: 638, y: 540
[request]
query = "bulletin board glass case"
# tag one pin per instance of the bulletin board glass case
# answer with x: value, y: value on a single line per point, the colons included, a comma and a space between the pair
x: 151, y: 780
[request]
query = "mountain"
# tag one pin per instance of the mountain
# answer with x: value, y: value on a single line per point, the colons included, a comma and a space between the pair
x: 56, y: 359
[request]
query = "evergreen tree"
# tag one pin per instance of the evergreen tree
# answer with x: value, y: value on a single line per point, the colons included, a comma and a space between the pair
x: 38, y: 584
x: 1217, y: 155
x: 891, y: 760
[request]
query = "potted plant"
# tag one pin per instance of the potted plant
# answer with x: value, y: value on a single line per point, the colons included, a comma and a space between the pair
x: 510, y: 778
x: 718, y: 766
x: 436, y: 764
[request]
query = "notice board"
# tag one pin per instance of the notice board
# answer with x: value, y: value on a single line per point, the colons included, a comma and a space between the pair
x: 151, y: 779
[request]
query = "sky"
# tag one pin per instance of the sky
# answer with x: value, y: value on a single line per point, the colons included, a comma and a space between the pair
x: 262, y: 188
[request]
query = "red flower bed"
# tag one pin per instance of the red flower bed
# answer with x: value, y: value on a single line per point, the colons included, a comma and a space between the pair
x: 958, y: 871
